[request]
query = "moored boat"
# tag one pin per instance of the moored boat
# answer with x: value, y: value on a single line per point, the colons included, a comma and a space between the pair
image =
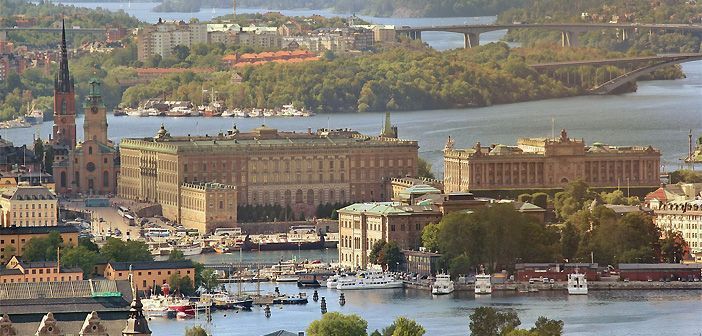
x: 442, y: 285
x: 577, y: 284
x: 368, y: 280
x: 483, y: 284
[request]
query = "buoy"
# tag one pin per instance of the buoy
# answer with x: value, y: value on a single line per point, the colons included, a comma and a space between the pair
x: 342, y: 299
x: 267, y: 311
x: 277, y: 291
x: 323, y: 306
x: 315, y: 296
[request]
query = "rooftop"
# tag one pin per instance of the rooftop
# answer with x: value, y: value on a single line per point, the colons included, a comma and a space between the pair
x: 25, y: 193
x: 658, y: 266
x: 390, y: 209
x: 151, y: 265
x: 23, y: 230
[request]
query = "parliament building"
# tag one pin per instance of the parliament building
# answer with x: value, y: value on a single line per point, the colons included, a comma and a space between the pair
x: 263, y: 167
x: 540, y: 163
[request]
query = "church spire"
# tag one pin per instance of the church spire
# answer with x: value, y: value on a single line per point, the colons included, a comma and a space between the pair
x: 63, y: 79
x: 388, y: 130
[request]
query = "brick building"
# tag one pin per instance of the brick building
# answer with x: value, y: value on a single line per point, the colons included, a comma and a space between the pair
x: 147, y: 274
x: 13, y: 239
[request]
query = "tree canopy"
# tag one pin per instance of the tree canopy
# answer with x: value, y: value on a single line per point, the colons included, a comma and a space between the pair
x: 337, y: 324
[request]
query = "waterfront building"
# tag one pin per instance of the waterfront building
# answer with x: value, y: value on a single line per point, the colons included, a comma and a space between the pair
x: 659, y: 272
x: 684, y: 217
x: 162, y: 37
x: 27, y: 205
x: 17, y: 270
x: 400, y: 184
x: 64, y: 130
x: 13, y: 239
x: 363, y: 224
x: 92, y: 166
x: 148, y: 274
x: 207, y: 205
x: 420, y: 262
x: 268, y: 167
x: 542, y: 163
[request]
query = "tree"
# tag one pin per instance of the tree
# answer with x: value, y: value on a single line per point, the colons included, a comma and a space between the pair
x: 337, y: 324
x: 570, y: 238
x: 687, y: 176
x: 430, y: 237
x: 546, y: 327
x: 182, y: 285
x: 572, y: 199
x: 391, y: 256
x: 673, y: 247
x: 9, y: 252
x: 375, y: 255
x: 80, y: 256
x: 424, y: 169
x: 540, y: 200
x: 88, y: 244
x: 119, y: 250
x: 49, y: 160
x: 176, y: 255
x: 196, y: 331
x: 39, y: 150
x: 524, y: 198
x: 459, y: 265
x: 488, y: 321
x: 404, y: 327
x: 209, y: 279
x: 43, y: 249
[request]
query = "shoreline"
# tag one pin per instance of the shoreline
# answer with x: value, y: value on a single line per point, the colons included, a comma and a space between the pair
x: 562, y: 286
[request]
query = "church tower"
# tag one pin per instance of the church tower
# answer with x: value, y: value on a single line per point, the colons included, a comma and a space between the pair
x: 64, y: 132
x: 95, y: 124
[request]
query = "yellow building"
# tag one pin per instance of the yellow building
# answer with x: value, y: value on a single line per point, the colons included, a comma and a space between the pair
x: 148, y: 274
x: 267, y: 166
x: 27, y: 205
x: 205, y: 206
x: 13, y: 239
x: 363, y: 224
x: 549, y: 163
x: 43, y: 271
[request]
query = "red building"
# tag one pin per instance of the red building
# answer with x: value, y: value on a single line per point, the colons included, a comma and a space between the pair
x: 64, y: 132
x: 559, y: 272
x: 658, y: 272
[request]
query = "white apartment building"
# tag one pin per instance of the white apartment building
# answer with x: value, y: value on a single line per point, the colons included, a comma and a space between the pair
x: 27, y: 205
x: 161, y: 38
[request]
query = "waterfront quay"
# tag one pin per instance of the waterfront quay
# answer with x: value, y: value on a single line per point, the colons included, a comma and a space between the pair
x: 562, y: 286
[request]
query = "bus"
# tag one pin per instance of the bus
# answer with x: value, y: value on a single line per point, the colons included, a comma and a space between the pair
x: 122, y: 210
x: 232, y: 232
x: 156, y: 232
x: 130, y: 219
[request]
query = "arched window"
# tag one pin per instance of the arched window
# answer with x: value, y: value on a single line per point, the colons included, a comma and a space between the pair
x: 332, y: 197
x: 310, y: 197
x: 288, y: 196
x: 298, y: 197
x: 63, y: 179
x: 106, y: 179
x: 90, y: 150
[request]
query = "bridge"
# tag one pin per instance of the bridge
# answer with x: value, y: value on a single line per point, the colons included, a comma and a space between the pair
x: 239, y: 265
x: 641, y: 66
x: 569, y: 31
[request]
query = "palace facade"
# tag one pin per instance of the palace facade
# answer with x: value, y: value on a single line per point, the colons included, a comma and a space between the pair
x: 538, y: 163
x: 266, y: 166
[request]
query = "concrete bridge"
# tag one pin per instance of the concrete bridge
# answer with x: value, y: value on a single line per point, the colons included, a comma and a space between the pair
x: 569, y: 31
x: 642, y: 66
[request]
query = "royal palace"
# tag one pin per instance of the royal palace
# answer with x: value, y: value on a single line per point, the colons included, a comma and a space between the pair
x: 265, y: 167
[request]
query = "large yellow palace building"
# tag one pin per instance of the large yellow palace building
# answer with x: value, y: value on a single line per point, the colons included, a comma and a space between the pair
x: 266, y: 167
x: 537, y: 163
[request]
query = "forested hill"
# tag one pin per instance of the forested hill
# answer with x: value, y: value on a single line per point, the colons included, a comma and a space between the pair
x: 399, y: 8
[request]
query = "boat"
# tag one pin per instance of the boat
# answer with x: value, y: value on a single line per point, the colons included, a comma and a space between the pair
x: 577, y: 284
x: 369, y: 280
x: 221, y: 248
x: 442, y: 285
x: 287, y: 278
x: 179, y: 111
x: 136, y: 113
x: 483, y: 284
x: 119, y: 112
x: 300, y: 298
x: 152, y: 112
x: 333, y: 281
x: 313, y: 279
x: 189, y: 249
x: 225, y: 301
x: 228, y: 113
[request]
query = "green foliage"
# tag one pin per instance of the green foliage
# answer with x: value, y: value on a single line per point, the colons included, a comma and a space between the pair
x: 524, y: 198
x: 49, y: 160
x: 496, y: 236
x: 673, y: 247
x: 460, y: 265
x: 575, y: 196
x: 119, y: 250
x: 82, y: 257
x: 209, y: 280
x: 337, y: 324
x: 488, y: 321
x: 195, y: 331
x: 424, y: 169
x: 375, y: 255
x: 176, y: 255
x: 181, y: 285
x: 540, y: 200
x: 546, y: 327
x: 43, y: 249
x: 430, y: 237
x: 570, y: 238
x: 391, y: 256
x: 618, y: 197
x: 88, y: 244
x: 686, y: 176
x: 403, y: 326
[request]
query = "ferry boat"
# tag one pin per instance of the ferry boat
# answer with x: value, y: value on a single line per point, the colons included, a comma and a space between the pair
x: 314, y: 280
x: 333, y: 281
x: 136, y: 113
x: 179, y: 111
x: 483, y: 284
x: 577, y: 284
x: 301, y: 298
x: 226, y: 301
x: 442, y: 285
x: 369, y: 280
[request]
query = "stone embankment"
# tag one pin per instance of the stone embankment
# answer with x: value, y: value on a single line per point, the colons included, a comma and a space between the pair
x: 558, y: 286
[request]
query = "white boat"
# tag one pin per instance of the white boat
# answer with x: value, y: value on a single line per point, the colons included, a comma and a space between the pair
x: 189, y: 249
x: 287, y: 278
x: 577, y: 284
x: 152, y: 112
x: 228, y: 113
x: 369, y: 280
x: 483, y: 284
x: 442, y: 285
x: 137, y: 113
x: 333, y: 280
